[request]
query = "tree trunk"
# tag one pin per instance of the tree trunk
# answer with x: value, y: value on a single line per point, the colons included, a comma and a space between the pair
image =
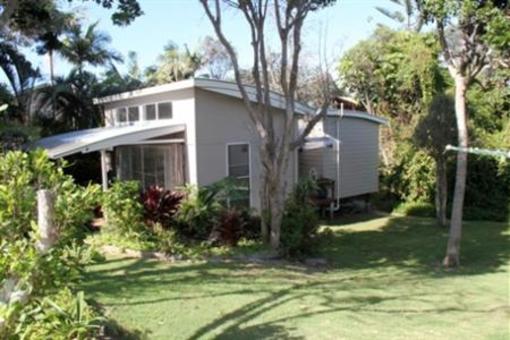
x: 441, y: 191
x: 46, y: 220
x: 453, y: 248
x: 277, y: 208
x: 264, y: 208
x: 273, y: 203
x: 52, y: 74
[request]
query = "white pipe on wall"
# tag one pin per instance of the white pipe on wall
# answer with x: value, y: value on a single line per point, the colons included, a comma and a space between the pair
x: 336, y: 206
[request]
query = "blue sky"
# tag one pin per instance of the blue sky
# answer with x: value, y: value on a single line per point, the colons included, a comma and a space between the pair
x: 184, y: 22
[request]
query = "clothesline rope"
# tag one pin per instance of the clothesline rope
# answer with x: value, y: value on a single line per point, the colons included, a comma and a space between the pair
x: 480, y: 151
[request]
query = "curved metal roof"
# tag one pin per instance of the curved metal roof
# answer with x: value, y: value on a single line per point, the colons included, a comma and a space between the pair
x: 90, y: 140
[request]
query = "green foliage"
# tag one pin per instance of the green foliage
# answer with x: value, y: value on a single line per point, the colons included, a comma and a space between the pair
x: 173, y: 65
x: 123, y: 208
x: 21, y: 175
x: 63, y: 315
x: 198, y: 211
x: 413, y: 176
x: 393, y: 73
x: 437, y: 128
x: 40, y: 275
x: 488, y: 189
x: 420, y: 209
x: 88, y: 46
x: 300, y: 222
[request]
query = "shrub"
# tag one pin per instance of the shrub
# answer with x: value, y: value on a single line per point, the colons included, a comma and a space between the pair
x: 300, y: 222
x: 198, y: 212
x: 419, y: 209
x: 33, y: 275
x: 413, y: 178
x: 228, y: 228
x: 487, y: 190
x: 160, y: 206
x: 230, y: 192
x: 251, y: 226
x: 168, y: 241
x: 21, y: 175
x: 63, y: 315
x: 123, y: 209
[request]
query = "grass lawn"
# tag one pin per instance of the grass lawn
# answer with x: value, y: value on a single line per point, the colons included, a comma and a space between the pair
x: 383, y: 282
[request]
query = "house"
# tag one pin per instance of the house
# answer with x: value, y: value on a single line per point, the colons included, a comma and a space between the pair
x: 198, y: 131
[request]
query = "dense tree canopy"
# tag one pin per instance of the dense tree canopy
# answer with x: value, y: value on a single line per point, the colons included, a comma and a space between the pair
x: 393, y: 73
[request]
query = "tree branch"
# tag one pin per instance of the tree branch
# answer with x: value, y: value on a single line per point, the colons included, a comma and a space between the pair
x: 215, y: 20
x: 319, y: 115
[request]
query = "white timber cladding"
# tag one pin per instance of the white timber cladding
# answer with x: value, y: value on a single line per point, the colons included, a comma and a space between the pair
x: 223, y: 120
x: 310, y: 163
x: 359, y: 155
x: 183, y: 112
x: 215, y: 116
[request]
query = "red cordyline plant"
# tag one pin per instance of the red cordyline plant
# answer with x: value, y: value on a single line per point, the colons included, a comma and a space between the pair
x: 229, y: 227
x: 160, y: 206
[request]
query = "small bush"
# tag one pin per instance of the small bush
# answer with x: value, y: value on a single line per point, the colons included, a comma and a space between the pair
x: 63, y: 315
x: 419, y: 209
x: 38, y: 279
x: 161, y: 206
x: 198, y: 212
x: 168, y: 241
x: 251, y: 226
x: 228, y: 229
x: 21, y: 175
x: 300, y: 224
x: 123, y: 209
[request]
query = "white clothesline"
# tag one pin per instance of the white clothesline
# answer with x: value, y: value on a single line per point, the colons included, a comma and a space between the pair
x: 479, y: 151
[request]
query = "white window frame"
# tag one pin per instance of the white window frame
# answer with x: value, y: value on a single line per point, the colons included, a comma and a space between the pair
x: 157, y: 109
x: 116, y: 115
x: 156, y: 104
x: 250, y: 169
x: 144, y: 113
x: 141, y: 113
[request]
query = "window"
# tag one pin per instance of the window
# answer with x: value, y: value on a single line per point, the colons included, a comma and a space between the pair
x: 238, y: 163
x: 121, y: 115
x: 150, y: 112
x: 165, y: 110
x: 133, y: 114
x: 161, y: 165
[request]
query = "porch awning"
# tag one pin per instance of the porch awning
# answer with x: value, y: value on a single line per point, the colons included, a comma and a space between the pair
x: 312, y: 143
x: 90, y: 140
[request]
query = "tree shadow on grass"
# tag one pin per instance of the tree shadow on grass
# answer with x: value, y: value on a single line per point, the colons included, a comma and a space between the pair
x: 418, y: 245
x: 231, y: 324
x: 266, y: 331
x: 413, y: 245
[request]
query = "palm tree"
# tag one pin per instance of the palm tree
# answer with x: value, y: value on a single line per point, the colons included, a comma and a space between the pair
x: 174, y: 65
x: 410, y: 15
x: 21, y: 77
x: 70, y: 101
x: 49, y: 40
x: 89, y: 47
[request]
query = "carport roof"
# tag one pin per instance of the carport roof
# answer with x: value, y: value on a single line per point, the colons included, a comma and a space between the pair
x: 90, y: 140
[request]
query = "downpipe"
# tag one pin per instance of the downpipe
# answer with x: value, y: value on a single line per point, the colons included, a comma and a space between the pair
x: 335, y: 206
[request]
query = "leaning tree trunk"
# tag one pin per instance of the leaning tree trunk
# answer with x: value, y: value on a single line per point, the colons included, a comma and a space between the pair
x: 453, y: 248
x: 441, y: 191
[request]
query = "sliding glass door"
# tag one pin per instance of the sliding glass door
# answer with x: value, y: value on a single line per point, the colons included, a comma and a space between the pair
x: 160, y: 165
